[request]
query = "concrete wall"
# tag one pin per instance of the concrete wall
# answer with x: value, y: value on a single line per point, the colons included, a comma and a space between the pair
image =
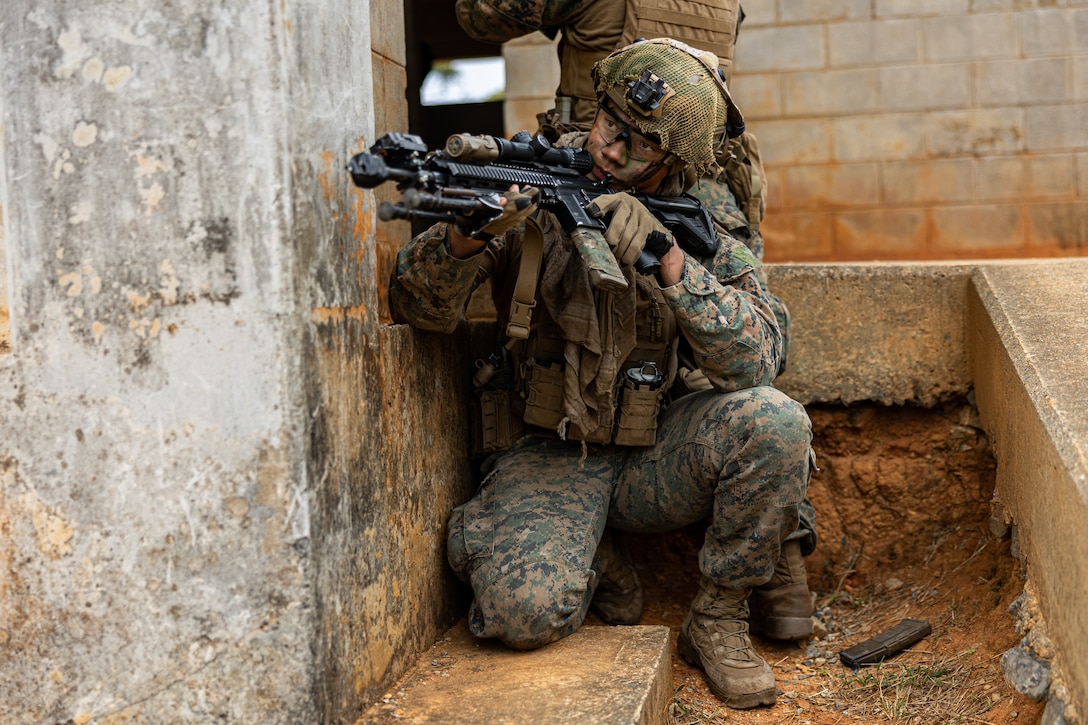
x: 532, y: 75
x: 5, y: 324
x: 153, y: 492
x: 1028, y: 362
x: 222, y: 485
x: 214, y: 502
x: 889, y: 333
x: 919, y: 130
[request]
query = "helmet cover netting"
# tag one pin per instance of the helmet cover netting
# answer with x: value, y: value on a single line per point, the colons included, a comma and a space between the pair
x: 692, y: 115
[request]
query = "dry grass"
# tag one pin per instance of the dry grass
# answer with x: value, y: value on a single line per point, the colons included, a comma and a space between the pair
x: 903, y: 497
x: 915, y: 688
x: 922, y: 689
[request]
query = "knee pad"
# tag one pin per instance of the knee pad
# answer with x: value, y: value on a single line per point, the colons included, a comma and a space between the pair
x: 529, y: 605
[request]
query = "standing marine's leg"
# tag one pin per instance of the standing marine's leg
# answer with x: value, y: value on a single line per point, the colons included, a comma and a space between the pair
x: 742, y: 457
x: 526, y: 541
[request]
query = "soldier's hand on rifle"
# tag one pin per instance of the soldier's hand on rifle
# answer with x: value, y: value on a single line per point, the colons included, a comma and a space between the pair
x: 516, y: 206
x: 631, y: 226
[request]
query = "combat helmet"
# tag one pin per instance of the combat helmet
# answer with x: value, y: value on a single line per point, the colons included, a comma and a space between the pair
x: 675, y: 93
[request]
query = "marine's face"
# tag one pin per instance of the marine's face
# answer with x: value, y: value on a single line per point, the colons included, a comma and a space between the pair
x: 630, y: 158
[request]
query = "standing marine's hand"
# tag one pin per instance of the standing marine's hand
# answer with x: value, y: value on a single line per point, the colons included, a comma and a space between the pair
x: 631, y: 224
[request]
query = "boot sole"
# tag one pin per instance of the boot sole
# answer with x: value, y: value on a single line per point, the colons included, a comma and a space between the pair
x: 737, y: 702
x: 785, y: 628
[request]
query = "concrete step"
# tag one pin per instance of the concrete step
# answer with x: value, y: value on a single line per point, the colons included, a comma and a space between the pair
x: 610, y: 675
x: 1029, y: 344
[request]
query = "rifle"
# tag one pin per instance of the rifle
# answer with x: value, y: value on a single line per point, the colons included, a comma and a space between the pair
x: 464, y: 181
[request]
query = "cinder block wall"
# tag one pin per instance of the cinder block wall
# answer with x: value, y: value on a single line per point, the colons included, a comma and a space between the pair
x: 899, y: 129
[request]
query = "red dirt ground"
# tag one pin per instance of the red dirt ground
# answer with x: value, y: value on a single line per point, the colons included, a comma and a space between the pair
x: 903, y: 506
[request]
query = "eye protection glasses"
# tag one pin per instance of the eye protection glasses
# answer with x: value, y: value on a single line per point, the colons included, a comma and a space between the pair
x: 612, y: 128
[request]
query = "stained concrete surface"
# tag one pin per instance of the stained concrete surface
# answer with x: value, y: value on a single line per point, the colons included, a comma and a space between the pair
x: 206, y: 436
x: 173, y: 210
x: 1029, y: 342
x: 890, y: 333
x: 600, y: 674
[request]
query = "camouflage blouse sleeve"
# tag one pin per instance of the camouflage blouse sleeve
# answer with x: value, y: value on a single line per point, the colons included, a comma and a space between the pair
x: 725, y: 316
x: 497, y: 21
x: 430, y: 288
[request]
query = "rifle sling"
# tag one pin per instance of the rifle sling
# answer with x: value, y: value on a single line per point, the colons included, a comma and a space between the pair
x: 524, y: 300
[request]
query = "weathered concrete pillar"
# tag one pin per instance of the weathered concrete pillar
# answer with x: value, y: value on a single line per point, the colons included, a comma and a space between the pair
x: 192, y: 476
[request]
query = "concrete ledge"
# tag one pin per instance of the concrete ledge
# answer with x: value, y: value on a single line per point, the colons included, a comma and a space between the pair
x: 611, y: 675
x: 1014, y: 332
x: 1029, y: 345
x: 890, y: 333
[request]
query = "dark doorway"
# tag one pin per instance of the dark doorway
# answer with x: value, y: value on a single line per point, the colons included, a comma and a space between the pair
x: 432, y: 34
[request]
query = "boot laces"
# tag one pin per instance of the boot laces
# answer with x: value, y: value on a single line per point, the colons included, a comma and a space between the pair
x: 725, y: 639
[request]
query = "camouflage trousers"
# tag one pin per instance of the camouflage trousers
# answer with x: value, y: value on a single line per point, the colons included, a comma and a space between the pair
x: 526, y: 542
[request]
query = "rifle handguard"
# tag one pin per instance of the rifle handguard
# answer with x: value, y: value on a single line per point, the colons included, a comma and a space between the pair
x: 604, y: 270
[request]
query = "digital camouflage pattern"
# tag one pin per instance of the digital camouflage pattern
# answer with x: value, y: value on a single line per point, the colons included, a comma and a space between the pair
x: 497, y: 21
x: 543, y: 599
x: 721, y: 202
x: 722, y: 309
x: 526, y: 541
x: 730, y: 348
x: 738, y: 452
x: 717, y: 197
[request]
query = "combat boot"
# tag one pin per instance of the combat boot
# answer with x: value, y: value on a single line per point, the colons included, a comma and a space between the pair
x: 782, y: 608
x: 714, y: 637
x: 618, y: 599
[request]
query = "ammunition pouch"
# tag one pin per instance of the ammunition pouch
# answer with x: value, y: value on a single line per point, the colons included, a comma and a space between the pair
x: 497, y: 422
x: 496, y: 413
x: 638, y: 408
x: 640, y: 386
x: 543, y: 385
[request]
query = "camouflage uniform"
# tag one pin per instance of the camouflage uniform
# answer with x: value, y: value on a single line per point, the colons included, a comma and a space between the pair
x: 719, y: 199
x: 738, y: 453
x: 591, y: 30
x: 526, y: 541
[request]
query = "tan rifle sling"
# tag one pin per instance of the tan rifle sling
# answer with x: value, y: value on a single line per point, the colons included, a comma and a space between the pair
x: 524, y: 299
